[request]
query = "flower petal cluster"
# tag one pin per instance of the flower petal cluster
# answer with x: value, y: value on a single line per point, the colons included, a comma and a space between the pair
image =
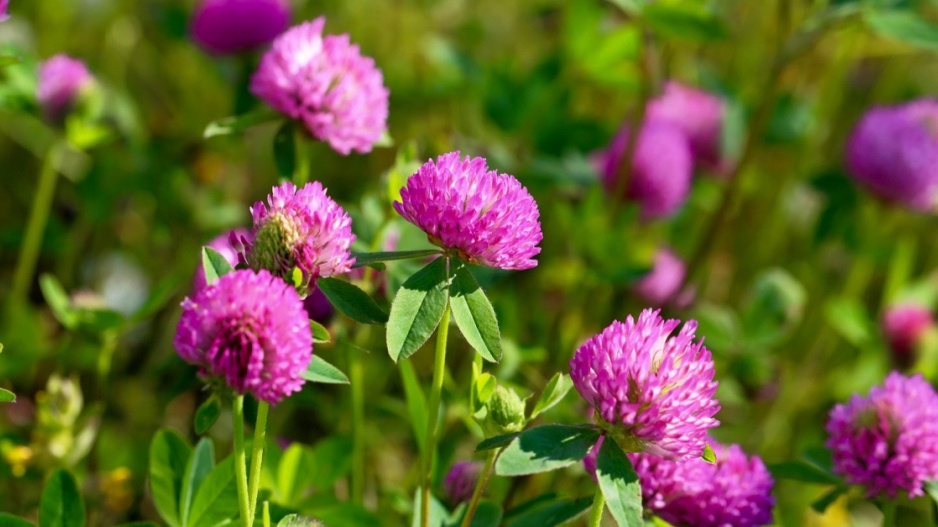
x: 250, y: 330
x: 325, y: 82
x: 887, y: 441
x: 904, y: 325
x: 664, y: 281
x: 661, y: 171
x: 651, y: 392
x: 461, y: 480
x: 485, y: 217
x: 221, y: 244
x: 893, y: 152
x: 226, y: 27
x: 736, y: 490
x: 61, y: 80
x: 699, y: 115
x: 301, y: 228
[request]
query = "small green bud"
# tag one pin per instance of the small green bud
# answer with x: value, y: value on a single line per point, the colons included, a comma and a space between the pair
x: 506, y: 410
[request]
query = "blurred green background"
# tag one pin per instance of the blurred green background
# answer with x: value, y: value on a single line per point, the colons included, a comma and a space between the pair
x: 789, y: 292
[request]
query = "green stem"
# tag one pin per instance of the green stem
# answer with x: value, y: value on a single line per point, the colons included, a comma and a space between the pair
x: 303, y: 143
x: 241, y: 477
x: 266, y: 513
x: 35, y: 226
x: 599, y: 503
x: 433, y: 410
x: 480, y: 486
x: 257, y: 454
x: 357, y: 386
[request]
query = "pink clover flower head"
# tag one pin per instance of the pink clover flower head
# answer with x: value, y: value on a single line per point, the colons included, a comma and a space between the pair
x: 223, y: 27
x: 650, y: 391
x: 699, y: 115
x: 887, y: 441
x: 325, y: 82
x: 893, y: 152
x: 61, y: 81
x: 249, y: 329
x: 904, y: 325
x: 302, y: 228
x: 461, y: 480
x: 221, y: 244
x: 662, y: 168
x: 663, y: 282
x: 484, y: 217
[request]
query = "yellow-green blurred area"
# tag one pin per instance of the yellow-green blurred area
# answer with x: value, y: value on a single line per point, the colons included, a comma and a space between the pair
x: 789, y: 291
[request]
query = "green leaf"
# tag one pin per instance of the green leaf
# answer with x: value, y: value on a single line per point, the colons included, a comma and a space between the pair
x: 417, y: 309
x: 619, y: 484
x: 483, y: 386
x: 61, y: 504
x: 237, y: 123
x: 321, y: 371
x: 709, y: 455
x: 214, y: 265
x: 331, y: 459
x: 320, y: 333
x: 931, y: 488
x: 551, y: 514
x: 294, y: 473
x: 285, y: 150
x: 474, y: 315
x: 497, y: 441
x: 366, y: 259
x: 487, y: 514
x: 201, y: 462
x: 6, y: 396
x: 802, y: 471
x: 545, y: 448
x: 903, y: 26
x: 556, y: 389
x: 217, y: 498
x: 295, y: 520
x: 207, y: 414
x: 821, y: 504
x: 8, y: 520
x: 169, y: 454
x: 689, y: 21
x: 416, y: 402
x: 58, y: 301
x: 850, y: 318
x: 352, y: 301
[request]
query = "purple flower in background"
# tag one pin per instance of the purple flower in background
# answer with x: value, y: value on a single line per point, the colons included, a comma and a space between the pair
x: 301, y: 228
x: 318, y: 306
x: 699, y: 115
x: 904, y: 325
x: 664, y: 281
x: 651, y: 392
x: 61, y: 80
x: 4, y: 5
x: 887, y: 441
x: 893, y: 152
x: 250, y: 330
x: 461, y: 480
x: 220, y: 244
x: 662, y: 167
x: 225, y: 27
x: 326, y: 83
x: 486, y: 217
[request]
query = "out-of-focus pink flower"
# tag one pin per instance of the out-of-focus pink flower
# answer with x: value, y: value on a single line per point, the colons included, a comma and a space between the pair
x: 226, y: 27
x: 700, y: 115
x: 220, y: 244
x: 893, y: 152
x: 663, y: 282
x: 904, y: 325
x: 662, y: 167
x: 61, y: 81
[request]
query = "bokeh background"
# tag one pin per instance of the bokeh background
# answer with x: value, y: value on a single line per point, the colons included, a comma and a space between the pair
x: 790, y: 285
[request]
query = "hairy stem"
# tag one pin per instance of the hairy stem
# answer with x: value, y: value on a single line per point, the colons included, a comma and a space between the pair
x: 241, y: 477
x: 480, y: 486
x: 257, y: 454
x: 433, y: 407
